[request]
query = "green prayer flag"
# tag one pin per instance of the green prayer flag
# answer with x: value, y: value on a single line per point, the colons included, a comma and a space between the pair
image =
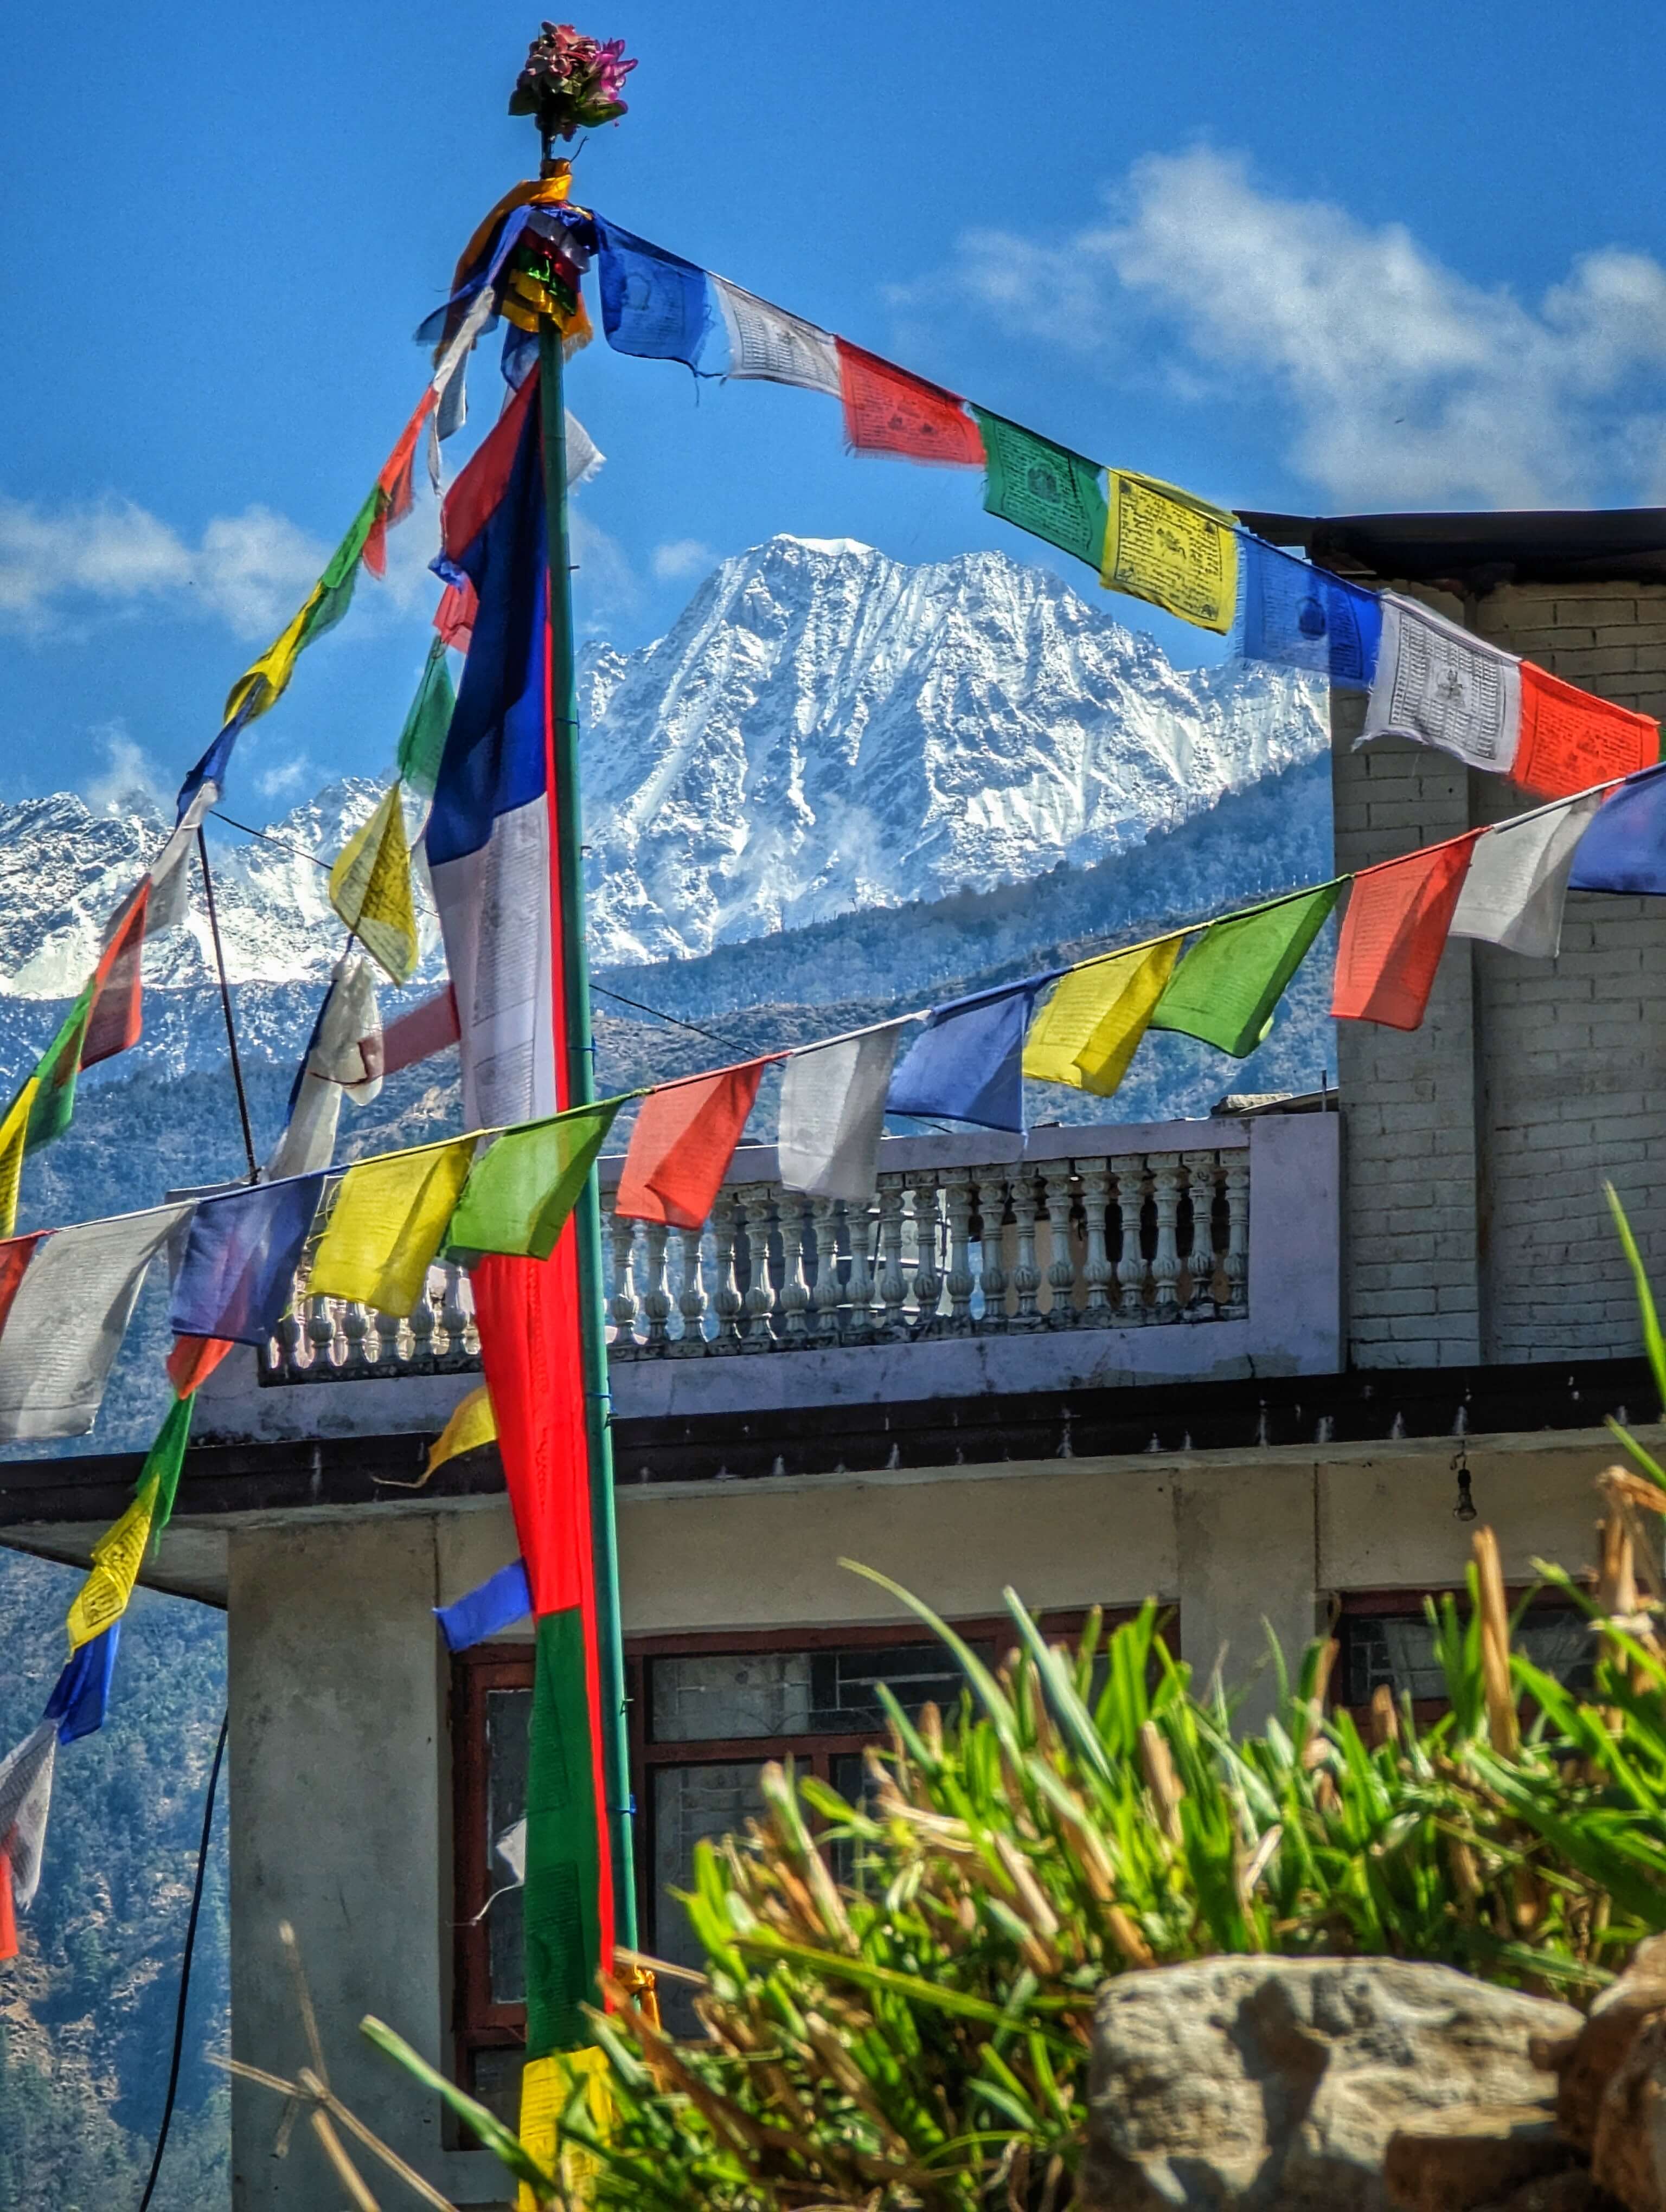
x: 561, y: 1902
x: 56, y: 1071
x: 521, y: 1189
x: 1042, y: 488
x: 164, y: 1461
x: 1225, y: 988
x: 422, y: 740
x: 266, y: 679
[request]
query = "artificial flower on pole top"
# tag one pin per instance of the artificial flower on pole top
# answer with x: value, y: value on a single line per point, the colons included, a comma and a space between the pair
x: 571, y: 84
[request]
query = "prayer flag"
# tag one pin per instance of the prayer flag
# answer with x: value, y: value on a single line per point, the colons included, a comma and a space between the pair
x: 1301, y: 616
x: 1570, y: 740
x: 450, y: 383
x: 428, y: 1028
x: 170, y: 871
x: 653, y: 303
x: 584, y: 455
x: 1398, y: 918
x: 1233, y: 977
x: 886, y: 410
x: 1624, y: 849
x: 547, y: 2090
x: 25, y: 1798
x: 1440, y: 685
x: 1042, y: 488
x: 498, y: 1603
x: 680, y: 1149
x: 394, y: 482
x: 236, y: 1278
x: 968, y: 1064
x: 193, y: 1359
x: 81, y: 1696
x: 1517, y: 880
x: 68, y: 1317
x: 454, y: 618
x: 522, y: 1189
x: 8, y: 1915
x: 52, y: 1108
x: 490, y: 835
x: 16, y: 1254
x: 263, y: 683
x: 833, y: 1113
x: 119, y: 1553
x: 13, y: 1142
x: 1163, y: 546
x: 766, y: 342
x: 1091, y: 1028
x: 370, y: 888
x: 114, y: 1018
x: 344, y: 1054
x: 385, y: 1226
x: 471, y: 1425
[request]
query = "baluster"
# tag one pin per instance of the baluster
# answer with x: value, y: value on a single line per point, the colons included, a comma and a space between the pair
x: 893, y: 1283
x: 858, y: 1318
x: 829, y: 1290
x: 421, y: 1322
x: 958, y: 1194
x: 726, y: 1296
x: 1197, y: 1174
x: 1098, y: 1272
x: 286, y: 1353
x: 390, y: 1339
x: 752, y: 1208
x: 622, y: 1306
x: 1130, y: 1172
x: 656, y: 1299
x: 1165, y: 1260
x: 927, y: 1282
x: 691, y: 1294
x: 795, y: 1301
x: 455, y: 1308
x: 992, y: 1213
x: 1062, y: 1274
x: 1026, y: 1276
x: 466, y: 1307
x: 355, y: 1327
x: 321, y: 1333
x: 1237, y: 1235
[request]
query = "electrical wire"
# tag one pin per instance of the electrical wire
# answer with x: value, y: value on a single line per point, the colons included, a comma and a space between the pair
x: 184, y: 1968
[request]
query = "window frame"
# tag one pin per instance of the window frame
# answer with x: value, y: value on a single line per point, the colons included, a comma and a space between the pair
x: 1379, y: 1604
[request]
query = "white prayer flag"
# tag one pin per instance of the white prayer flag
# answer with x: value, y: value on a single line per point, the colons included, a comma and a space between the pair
x: 25, y: 1798
x: 833, y: 1113
x: 1517, y: 880
x: 584, y: 455
x: 1439, y: 684
x: 170, y: 876
x: 345, y: 1054
x: 766, y: 343
x: 68, y: 1320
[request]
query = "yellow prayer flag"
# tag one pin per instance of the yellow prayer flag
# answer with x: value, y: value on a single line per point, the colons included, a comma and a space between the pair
x: 276, y: 665
x: 370, y: 889
x: 1164, y: 545
x: 117, y: 1558
x: 546, y: 2092
x: 13, y: 1136
x: 387, y: 1224
x: 1086, y: 1033
x: 473, y: 1424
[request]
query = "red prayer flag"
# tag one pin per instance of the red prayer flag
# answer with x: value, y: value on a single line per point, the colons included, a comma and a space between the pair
x: 685, y: 1139
x: 16, y: 1254
x: 193, y: 1359
x: 421, y: 1033
x: 1570, y: 739
x: 116, y: 1016
x: 394, y: 483
x: 886, y: 410
x: 7, y: 1913
x: 455, y: 615
x: 474, y: 498
x: 1394, y: 933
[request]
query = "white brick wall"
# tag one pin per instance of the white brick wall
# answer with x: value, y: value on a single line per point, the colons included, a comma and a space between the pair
x: 1477, y: 1146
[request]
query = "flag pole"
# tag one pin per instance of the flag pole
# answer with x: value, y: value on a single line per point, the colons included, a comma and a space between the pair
x: 577, y: 1045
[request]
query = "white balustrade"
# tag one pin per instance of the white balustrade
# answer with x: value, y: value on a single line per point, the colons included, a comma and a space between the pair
x: 1132, y: 1240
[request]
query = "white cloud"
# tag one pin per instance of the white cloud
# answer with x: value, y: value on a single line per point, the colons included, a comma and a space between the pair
x: 130, y: 780
x: 254, y: 569
x: 682, y: 557
x: 1405, y: 382
x: 294, y: 774
x: 604, y: 584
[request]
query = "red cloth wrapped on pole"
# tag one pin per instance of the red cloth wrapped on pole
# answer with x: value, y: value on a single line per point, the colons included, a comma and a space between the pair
x: 886, y: 410
x: 1570, y: 739
x: 1394, y: 931
x: 680, y: 1149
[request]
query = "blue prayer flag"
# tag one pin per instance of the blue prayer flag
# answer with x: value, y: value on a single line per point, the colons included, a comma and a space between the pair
x: 1302, y: 617
x: 81, y: 1696
x: 212, y: 768
x: 968, y: 1063
x: 1625, y: 847
x: 241, y: 1252
x: 498, y: 1603
x: 652, y: 304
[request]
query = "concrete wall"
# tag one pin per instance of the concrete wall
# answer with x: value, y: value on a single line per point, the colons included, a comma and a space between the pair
x: 1474, y: 1226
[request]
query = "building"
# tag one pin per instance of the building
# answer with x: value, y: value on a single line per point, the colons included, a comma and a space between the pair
x: 1257, y: 1366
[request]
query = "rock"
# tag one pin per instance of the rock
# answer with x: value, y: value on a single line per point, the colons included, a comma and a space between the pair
x: 1628, y: 2157
x: 1471, y: 2156
x: 1273, y: 2085
x: 1585, y: 2067
x: 1573, y: 2191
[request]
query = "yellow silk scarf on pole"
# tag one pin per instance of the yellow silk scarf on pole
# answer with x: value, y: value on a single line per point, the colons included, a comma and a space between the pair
x: 1087, y: 1034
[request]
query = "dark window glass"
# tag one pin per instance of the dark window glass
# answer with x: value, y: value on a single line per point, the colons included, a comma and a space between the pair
x: 508, y: 1716
x: 1397, y: 1650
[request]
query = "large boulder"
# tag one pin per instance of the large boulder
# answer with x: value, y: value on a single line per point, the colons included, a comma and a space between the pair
x: 1273, y: 2085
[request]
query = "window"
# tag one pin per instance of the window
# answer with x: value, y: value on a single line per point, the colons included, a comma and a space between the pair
x: 707, y: 1713
x: 1386, y: 1640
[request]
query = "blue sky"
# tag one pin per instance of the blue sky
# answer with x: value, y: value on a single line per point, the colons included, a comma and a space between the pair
x: 1327, y: 260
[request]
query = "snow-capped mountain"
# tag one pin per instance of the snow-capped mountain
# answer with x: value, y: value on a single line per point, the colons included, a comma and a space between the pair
x: 825, y: 730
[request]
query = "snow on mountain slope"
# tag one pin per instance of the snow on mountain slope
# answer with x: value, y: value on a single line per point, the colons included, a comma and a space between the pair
x: 825, y: 729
